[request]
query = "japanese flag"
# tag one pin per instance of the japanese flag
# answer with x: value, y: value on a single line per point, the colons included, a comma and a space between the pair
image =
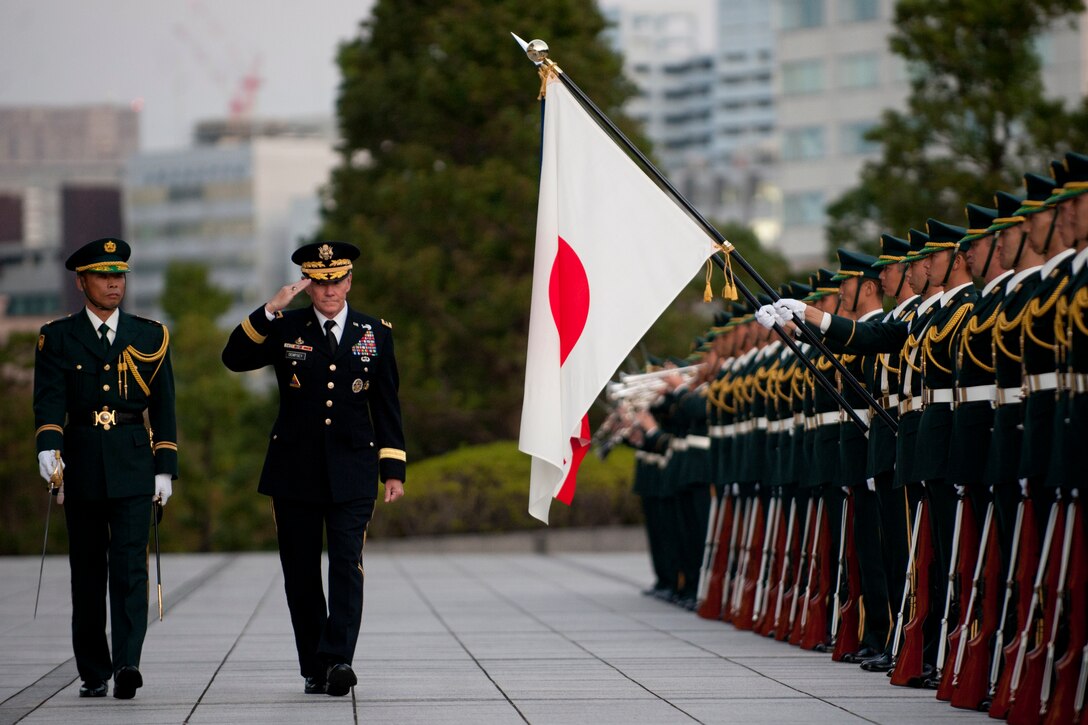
x: 612, y: 252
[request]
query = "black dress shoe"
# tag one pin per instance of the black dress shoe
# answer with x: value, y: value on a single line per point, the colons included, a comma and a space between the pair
x: 880, y: 663
x: 315, y: 686
x: 340, y: 679
x: 93, y: 689
x: 126, y: 681
x: 865, y: 653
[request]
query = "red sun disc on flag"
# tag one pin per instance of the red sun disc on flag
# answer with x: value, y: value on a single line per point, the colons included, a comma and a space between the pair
x: 568, y: 292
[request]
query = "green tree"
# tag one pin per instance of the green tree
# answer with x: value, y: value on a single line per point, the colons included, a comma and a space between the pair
x: 975, y: 121
x: 221, y: 427
x: 440, y: 125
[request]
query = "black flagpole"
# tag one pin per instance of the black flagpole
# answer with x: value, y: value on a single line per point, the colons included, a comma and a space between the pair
x: 537, y: 52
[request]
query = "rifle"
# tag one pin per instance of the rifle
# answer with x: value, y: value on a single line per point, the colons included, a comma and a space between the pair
x: 787, y: 633
x: 759, y: 606
x: 797, y: 627
x: 708, y: 547
x: 815, y: 628
x: 963, y: 560
x: 732, y: 569
x: 908, y: 660
x: 846, y: 620
x: 1069, y: 672
x: 784, y: 574
x: 742, y: 618
x: 1027, y: 678
x: 56, y: 488
x: 1018, y: 589
x: 711, y: 605
x: 765, y: 625
x: 969, y: 683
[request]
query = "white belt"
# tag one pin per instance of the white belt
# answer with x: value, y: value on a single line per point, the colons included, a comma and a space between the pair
x: 1008, y: 396
x: 821, y: 419
x: 975, y: 394
x: 773, y: 426
x: 700, y: 442
x: 730, y: 430
x: 761, y: 423
x: 798, y: 419
x: 717, y: 431
x: 863, y: 415
x: 678, y: 444
x: 889, y: 401
x: 1078, y: 382
x: 1044, y: 381
x: 935, y: 396
x: 908, y: 405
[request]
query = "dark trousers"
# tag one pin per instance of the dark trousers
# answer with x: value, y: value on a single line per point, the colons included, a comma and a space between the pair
x: 324, y: 634
x: 870, y: 549
x: 694, y: 512
x: 661, y: 557
x: 107, y: 543
x: 895, y: 513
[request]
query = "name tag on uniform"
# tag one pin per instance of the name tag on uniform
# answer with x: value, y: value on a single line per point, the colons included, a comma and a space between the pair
x: 295, y: 355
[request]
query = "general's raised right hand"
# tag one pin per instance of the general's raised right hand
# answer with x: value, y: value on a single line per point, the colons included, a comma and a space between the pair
x: 286, y: 294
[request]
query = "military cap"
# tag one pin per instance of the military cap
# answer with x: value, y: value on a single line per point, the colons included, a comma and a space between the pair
x: 855, y: 264
x: 917, y: 240
x: 979, y: 220
x: 1007, y: 206
x: 825, y: 285
x: 652, y: 361
x: 1073, y: 178
x: 813, y: 293
x: 798, y: 290
x: 943, y: 237
x: 721, y: 319
x: 1039, y: 189
x: 893, y: 250
x: 700, y: 344
x: 677, y: 361
x: 325, y: 261
x: 104, y: 256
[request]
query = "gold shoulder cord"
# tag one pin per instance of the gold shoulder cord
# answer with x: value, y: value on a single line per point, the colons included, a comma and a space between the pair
x: 1004, y: 325
x: 905, y: 354
x: 1037, y: 309
x: 130, y: 354
x: 976, y: 327
x: 1076, y: 310
x: 935, y: 337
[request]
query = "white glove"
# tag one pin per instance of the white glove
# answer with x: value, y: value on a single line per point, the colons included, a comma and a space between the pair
x: 787, y: 308
x: 47, y: 463
x: 1024, y: 487
x: 766, y: 316
x: 870, y: 483
x: 846, y: 490
x: 163, y: 487
x: 961, y: 490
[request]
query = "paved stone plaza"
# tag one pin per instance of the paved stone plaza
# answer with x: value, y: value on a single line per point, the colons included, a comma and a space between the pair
x: 447, y: 638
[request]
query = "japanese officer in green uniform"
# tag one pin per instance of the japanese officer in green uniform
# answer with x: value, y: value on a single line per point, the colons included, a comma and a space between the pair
x: 104, y: 411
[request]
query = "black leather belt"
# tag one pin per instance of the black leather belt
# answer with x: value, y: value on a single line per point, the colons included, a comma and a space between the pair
x: 106, y: 418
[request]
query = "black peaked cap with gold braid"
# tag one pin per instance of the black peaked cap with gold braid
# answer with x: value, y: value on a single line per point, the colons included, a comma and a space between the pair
x: 325, y: 261
x: 104, y: 256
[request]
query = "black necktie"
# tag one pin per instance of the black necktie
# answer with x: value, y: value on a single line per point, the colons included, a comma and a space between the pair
x: 329, y: 324
x: 103, y: 329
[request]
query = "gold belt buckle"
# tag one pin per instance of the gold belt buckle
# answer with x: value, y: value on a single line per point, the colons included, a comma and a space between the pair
x: 105, y: 418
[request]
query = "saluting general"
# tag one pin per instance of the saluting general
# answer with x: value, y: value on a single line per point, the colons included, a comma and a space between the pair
x: 104, y: 411
x: 337, y: 433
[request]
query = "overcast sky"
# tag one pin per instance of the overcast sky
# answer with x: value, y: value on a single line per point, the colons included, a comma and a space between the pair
x: 179, y: 60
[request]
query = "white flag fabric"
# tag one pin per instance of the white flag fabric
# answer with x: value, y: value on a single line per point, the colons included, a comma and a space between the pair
x: 612, y: 252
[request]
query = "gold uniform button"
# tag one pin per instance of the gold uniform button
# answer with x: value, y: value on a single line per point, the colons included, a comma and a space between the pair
x: 332, y: 367
x: 328, y: 403
x: 106, y: 387
x: 331, y: 385
x: 107, y: 367
x: 328, y: 421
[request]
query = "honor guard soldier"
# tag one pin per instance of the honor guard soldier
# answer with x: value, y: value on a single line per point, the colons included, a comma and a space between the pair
x: 337, y: 433
x: 104, y: 410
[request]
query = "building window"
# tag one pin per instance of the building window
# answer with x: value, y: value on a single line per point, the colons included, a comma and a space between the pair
x: 856, y: 11
x: 803, y: 208
x: 803, y: 76
x: 859, y: 71
x: 852, y: 139
x: 797, y: 14
x: 801, y: 144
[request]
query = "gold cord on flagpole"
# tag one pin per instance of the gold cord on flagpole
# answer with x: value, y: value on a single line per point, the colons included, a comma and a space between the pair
x: 729, y: 291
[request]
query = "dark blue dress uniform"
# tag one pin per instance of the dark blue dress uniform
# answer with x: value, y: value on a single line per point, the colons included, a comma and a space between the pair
x: 90, y: 404
x: 337, y: 433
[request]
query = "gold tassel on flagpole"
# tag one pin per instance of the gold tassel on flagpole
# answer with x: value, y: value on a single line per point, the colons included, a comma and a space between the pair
x: 708, y: 292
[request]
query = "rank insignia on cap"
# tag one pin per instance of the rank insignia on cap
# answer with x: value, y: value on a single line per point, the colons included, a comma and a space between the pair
x: 357, y: 386
x: 110, y: 246
x: 325, y: 252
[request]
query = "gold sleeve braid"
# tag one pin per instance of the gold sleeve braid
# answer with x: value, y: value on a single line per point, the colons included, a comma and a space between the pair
x: 131, y: 354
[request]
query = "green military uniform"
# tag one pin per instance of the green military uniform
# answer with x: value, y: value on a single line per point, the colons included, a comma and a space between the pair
x: 91, y: 397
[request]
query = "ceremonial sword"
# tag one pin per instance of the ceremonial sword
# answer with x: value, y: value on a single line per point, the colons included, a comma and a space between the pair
x: 156, y: 514
x: 56, y: 488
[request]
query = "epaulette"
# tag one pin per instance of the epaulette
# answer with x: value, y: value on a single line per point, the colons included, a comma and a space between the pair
x: 388, y: 324
x: 147, y: 320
